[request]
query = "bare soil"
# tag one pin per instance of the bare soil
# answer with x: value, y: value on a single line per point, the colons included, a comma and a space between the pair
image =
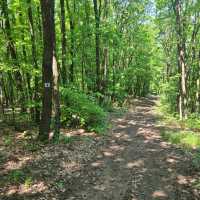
x: 131, y: 163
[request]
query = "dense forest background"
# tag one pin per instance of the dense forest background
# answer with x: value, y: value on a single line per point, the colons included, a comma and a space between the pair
x: 79, y: 58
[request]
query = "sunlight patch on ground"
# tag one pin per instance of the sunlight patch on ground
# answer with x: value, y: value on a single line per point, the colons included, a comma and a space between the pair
x: 132, y: 122
x: 97, y: 164
x: 159, y: 193
x: 16, y: 163
x: 182, y: 180
x: 119, y: 160
x: 76, y: 132
x: 100, y: 187
x: 108, y: 154
x: 121, y: 126
x: 126, y: 137
x: 172, y: 160
x: 35, y: 188
x: 69, y: 167
x: 164, y: 145
x: 117, y: 148
x: 23, y: 189
x: 118, y: 135
x: 169, y: 170
x: 138, y: 163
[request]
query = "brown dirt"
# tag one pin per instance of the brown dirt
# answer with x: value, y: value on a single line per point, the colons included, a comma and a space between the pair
x: 132, y: 163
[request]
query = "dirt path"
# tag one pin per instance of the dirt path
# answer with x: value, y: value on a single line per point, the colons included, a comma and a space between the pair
x: 135, y: 165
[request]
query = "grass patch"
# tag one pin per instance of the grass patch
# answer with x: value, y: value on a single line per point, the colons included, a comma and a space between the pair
x: 185, y: 139
x: 28, y: 182
x: 19, y: 176
x: 7, y: 140
x: 67, y: 139
x: 16, y: 176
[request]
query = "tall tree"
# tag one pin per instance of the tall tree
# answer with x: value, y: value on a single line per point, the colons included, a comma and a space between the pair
x: 47, y: 8
x: 71, y: 14
x: 181, y: 58
x: 35, y: 61
x: 97, y: 41
x: 63, y: 41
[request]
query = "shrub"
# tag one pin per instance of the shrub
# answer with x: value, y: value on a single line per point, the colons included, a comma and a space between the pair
x: 78, y: 110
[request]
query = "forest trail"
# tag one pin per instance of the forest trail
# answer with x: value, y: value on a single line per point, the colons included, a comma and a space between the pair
x: 132, y: 162
x: 135, y: 164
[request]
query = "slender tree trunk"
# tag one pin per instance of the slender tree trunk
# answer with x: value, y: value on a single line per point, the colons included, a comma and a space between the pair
x: 198, y: 87
x: 83, y: 69
x: 64, y: 51
x: 56, y: 97
x: 97, y: 40
x: 47, y: 8
x: 113, y: 77
x: 105, y: 70
x: 72, y: 48
x: 34, y: 57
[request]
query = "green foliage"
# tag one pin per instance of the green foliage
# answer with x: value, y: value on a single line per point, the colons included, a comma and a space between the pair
x: 193, y: 122
x: 196, y: 160
x: 19, y: 176
x: 137, y: 81
x: 169, y: 93
x: 78, y: 110
x: 60, y: 185
x: 7, y: 140
x: 16, y: 176
x: 31, y: 146
x: 28, y: 182
x: 187, y: 140
x: 67, y: 139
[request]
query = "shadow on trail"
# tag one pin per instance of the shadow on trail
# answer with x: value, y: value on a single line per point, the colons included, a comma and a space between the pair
x: 135, y: 164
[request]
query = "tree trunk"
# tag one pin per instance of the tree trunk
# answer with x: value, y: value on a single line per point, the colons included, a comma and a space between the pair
x: 181, y: 60
x: 97, y: 41
x: 198, y: 87
x: 34, y: 57
x: 72, y: 53
x: 56, y: 97
x: 47, y: 8
x: 64, y: 51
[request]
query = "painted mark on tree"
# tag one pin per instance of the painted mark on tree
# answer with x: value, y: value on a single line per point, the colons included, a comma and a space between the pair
x: 47, y: 85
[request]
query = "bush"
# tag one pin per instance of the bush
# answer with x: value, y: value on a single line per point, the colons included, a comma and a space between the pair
x: 78, y: 110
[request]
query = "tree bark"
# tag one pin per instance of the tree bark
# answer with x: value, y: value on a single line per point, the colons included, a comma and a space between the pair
x: 47, y: 8
x: 64, y: 50
x: 56, y: 97
x: 181, y: 60
x: 97, y: 41
x: 72, y: 48
x: 34, y: 57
